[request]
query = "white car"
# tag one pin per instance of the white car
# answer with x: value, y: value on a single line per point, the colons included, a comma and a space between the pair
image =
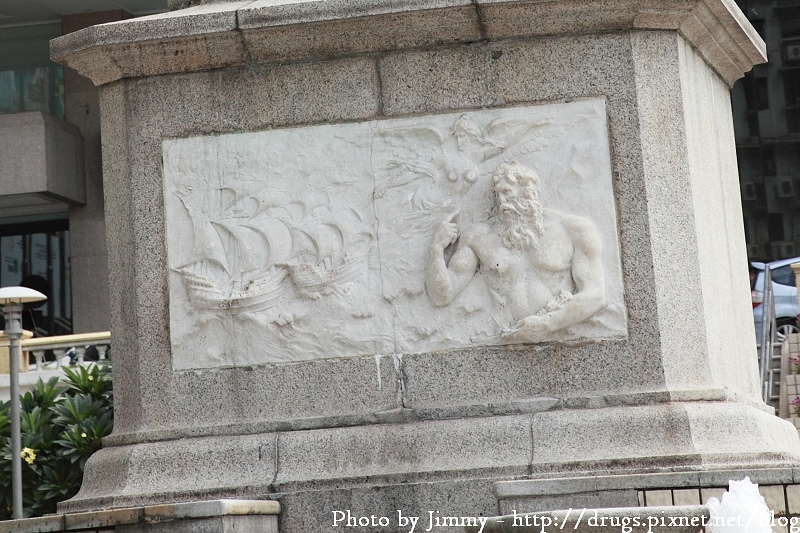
x: 784, y: 292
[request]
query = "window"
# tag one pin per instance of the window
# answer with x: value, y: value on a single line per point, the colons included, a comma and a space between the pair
x: 33, y: 89
x: 37, y: 256
x: 768, y: 161
x: 775, y: 225
x: 784, y: 275
x: 29, y: 81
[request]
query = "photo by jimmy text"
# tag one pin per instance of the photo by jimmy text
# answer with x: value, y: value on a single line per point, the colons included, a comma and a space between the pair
x: 569, y: 520
x: 409, y: 523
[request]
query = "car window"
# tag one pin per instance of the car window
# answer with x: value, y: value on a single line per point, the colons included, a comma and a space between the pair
x: 784, y: 275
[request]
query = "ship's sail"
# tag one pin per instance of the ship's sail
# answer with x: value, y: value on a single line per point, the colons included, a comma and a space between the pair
x: 233, y: 264
x: 245, y: 248
x: 324, y: 257
x: 208, y: 245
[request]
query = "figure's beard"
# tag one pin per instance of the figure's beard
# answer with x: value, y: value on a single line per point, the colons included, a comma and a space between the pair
x: 521, y: 224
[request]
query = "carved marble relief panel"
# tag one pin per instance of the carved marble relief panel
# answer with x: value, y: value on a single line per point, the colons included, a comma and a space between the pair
x: 393, y: 236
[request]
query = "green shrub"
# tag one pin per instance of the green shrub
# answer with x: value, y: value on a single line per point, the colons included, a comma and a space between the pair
x: 62, y: 425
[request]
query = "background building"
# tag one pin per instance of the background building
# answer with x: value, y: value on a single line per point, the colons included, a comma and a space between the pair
x: 766, y: 107
x: 52, y: 232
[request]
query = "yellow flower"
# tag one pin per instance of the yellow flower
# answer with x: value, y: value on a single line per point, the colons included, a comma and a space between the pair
x: 29, y: 455
x: 83, y: 435
x: 90, y: 378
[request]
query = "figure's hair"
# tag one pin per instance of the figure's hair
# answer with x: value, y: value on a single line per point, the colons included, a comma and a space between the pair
x: 529, y: 224
x: 526, y: 179
x: 468, y: 126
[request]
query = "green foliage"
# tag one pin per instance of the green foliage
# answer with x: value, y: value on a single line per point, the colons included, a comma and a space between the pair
x: 93, y: 380
x: 62, y: 425
x: 42, y: 395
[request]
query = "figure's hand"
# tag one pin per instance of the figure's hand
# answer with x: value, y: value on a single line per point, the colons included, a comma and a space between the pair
x: 529, y: 329
x: 446, y: 234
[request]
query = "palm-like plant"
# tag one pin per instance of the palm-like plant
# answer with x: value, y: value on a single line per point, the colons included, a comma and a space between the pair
x: 62, y: 425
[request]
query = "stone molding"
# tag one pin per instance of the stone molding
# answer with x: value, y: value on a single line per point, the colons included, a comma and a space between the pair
x: 108, y: 519
x: 491, y: 448
x: 408, y: 415
x: 655, y: 494
x: 231, y: 34
x: 701, y: 480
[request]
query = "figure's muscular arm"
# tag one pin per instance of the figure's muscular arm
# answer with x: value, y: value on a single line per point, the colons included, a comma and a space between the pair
x: 587, y: 273
x: 590, y: 288
x: 445, y: 281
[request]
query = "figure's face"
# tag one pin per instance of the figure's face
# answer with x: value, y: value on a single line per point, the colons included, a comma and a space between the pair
x: 462, y: 139
x: 519, y: 210
x: 507, y: 199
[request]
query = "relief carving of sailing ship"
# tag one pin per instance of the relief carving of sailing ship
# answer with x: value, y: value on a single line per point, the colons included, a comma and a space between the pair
x: 329, y: 261
x: 244, y: 253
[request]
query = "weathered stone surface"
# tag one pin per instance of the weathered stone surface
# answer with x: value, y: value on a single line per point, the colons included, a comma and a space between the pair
x: 212, y: 516
x: 775, y: 498
x: 679, y: 392
x: 204, y: 509
x: 686, y: 496
x: 314, y: 509
x: 488, y: 448
x: 214, y: 524
x: 44, y: 524
x: 104, y: 519
x: 170, y: 42
x: 128, y: 476
x: 648, y: 490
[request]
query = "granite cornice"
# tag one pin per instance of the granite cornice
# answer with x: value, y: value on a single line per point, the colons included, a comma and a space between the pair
x: 196, y: 38
x: 708, y: 26
x: 186, y: 23
x: 225, y: 34
x: 105, y: 63
x: 717, y: 28
x: 261, y: 13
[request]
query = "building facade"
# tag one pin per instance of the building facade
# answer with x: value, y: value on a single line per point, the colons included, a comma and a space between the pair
x: 766, y: 106
x: 52, y: 231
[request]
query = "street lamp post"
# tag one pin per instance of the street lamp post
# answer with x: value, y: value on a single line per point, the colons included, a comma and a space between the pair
x: 11, y: 301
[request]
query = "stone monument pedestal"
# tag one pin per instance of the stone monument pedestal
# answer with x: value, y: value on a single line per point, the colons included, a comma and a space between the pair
x: 224, y: 516
x: 320, y: 295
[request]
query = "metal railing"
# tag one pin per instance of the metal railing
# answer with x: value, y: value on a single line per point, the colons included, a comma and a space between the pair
x: 766, y: 365
x: 81, y: 342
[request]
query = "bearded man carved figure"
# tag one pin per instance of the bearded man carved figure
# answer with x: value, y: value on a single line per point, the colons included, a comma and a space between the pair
x: 542, y: 267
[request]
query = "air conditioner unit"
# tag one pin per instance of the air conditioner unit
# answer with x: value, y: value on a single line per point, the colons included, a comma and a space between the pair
x: 784, y: 187
x: 792, y: 52
x: 748, y: 191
